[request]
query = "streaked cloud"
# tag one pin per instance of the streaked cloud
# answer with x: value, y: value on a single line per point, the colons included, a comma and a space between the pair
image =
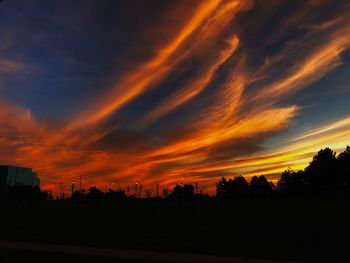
x: 199, y: 106
x: 194, y: 87
x: 152, y: 72
x: 340, y: 124
x: 12, y: 66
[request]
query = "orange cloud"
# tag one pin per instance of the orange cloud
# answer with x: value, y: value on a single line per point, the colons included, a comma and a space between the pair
x: 314, y: 67
x: 213, y: 15
x: 193, y: 88
x: 343, y: 123
x: 241, y: 108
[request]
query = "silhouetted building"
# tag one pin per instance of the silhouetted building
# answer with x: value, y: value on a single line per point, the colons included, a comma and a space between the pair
x: 12, y: 175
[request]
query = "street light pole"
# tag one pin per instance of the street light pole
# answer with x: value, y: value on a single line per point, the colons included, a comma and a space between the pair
x: 136, y: 188
x: 73, y: 185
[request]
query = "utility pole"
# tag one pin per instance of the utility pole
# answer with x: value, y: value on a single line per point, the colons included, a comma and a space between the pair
x: 73, y: 186
x: 140, y: 188
x: 136, y: 188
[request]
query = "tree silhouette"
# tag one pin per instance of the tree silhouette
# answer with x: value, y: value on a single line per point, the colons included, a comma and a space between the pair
x: 343, y: 163
x: 165, y: 193
x: 325, y: 175
x: 238, y: 186
x: 260, y: 186
x: 293, y: 183
x: 185, y: 191
x: 221, y: 187
x: 321, y: 172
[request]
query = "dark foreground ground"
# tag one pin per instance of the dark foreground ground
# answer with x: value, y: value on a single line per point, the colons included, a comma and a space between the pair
x: 10, y: 256
x: 285, y: 229
x: 14, y: 251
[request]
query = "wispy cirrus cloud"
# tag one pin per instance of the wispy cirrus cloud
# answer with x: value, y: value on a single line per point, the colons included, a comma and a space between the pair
x: 212, y: 16
x: 12, y: 66
x: 316, y: 64
x: 232, y: 97
x: 194, y: 87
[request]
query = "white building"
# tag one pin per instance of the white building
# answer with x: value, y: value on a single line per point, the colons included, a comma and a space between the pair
x: 12, y: 175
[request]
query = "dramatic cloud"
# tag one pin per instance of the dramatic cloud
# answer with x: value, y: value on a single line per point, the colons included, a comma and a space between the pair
x: 198, y: 92
x: 212, y: 16
x: 194, y: 87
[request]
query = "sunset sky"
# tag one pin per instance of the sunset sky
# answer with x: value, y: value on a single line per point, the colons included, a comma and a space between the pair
x: 171, y: 91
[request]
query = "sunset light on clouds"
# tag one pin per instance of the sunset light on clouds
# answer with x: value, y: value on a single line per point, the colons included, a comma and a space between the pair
x: 164, y: 91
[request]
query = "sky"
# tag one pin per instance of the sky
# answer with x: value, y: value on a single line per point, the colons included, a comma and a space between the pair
x: 167, y: 92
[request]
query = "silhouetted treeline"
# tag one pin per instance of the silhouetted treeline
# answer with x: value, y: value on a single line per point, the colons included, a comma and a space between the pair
x: 185, y: 191
x: 239, y: 187
x: 326, y: 175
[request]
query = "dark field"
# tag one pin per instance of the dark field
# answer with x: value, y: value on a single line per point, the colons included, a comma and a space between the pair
x: 303, y: 229
x: 7, y: 256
